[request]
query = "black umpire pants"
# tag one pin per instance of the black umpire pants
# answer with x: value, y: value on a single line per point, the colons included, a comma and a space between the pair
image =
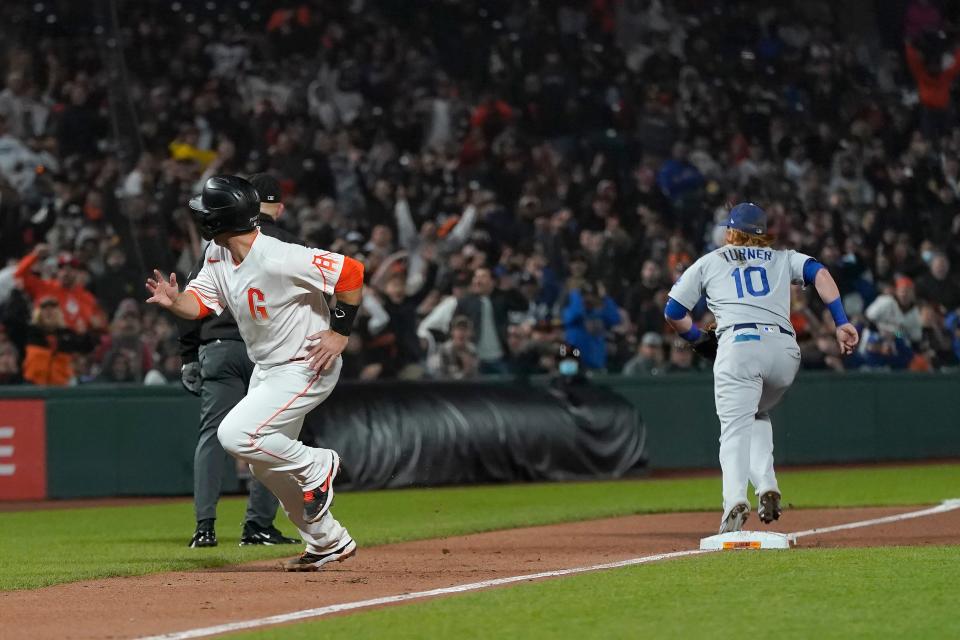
x: 225, y: 370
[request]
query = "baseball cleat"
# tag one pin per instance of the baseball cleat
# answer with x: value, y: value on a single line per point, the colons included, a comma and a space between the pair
x: 769, y: 509
x: 204, y: 536
x: 317, y: 501
x: 315, y: 561
x: 255, y: 534
x: 735, y: 519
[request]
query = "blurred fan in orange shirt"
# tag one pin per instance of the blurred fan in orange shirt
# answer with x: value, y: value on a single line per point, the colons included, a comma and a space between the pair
x: 80, y: 309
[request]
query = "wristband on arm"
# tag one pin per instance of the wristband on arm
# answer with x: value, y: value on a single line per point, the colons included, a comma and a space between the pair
x: 836, y: 310
x: 692, y: 334
x: 342, y: 317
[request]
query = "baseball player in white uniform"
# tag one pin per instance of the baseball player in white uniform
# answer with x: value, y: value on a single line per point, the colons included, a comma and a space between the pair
x: 275, y: 290
x: 747, y: 286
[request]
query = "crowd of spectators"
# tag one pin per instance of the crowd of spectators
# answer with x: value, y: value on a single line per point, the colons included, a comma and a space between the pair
x: 514, y: 175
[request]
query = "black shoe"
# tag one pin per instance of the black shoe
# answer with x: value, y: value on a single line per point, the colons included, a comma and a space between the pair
x: 255, y: 534
x: 204, y: 536
x: 314, y: 561
x: 769, y: 509
x: 317, y: 501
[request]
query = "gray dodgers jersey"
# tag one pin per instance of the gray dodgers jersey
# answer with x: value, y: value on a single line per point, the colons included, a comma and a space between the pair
x: 743, y: 284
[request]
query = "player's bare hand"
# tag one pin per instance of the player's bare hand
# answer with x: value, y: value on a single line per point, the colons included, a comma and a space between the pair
x: 323, y: 354
x: 162, y: 292
x: 847, y: 338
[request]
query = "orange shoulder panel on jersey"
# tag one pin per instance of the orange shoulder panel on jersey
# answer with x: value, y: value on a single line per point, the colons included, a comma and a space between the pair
x: 351, y: 275
x: 204, y: 309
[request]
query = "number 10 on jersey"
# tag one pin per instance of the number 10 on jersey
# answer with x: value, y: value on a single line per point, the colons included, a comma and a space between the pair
x: 747, y: 278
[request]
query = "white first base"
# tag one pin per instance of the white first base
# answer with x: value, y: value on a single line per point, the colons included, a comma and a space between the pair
x: 746, y: 540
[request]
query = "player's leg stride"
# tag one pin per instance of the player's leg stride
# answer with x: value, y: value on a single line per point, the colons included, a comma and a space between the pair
x: 747, y: 287
x: 275, y: 291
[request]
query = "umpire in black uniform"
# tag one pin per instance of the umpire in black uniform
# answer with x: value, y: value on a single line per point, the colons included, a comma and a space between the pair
x: 217, y: 368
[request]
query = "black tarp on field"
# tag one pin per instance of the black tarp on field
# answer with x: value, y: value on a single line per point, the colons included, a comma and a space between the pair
x: 401, y: 434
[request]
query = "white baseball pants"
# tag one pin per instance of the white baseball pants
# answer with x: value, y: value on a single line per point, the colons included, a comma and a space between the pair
x: 754, y: 368
x: 263, y: 430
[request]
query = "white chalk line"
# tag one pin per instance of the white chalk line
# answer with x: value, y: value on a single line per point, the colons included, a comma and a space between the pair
x: 203, y: 632
x: 460, y: 588
x: 943, y: 507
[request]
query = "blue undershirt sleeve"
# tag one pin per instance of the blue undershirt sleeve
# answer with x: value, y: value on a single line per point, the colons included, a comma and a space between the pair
x: 810, y: 269
x: 674, y: 310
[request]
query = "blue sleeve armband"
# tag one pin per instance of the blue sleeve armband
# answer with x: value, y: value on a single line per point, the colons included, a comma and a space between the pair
x: 836, y: 310
x: 810, y: 269
x: 674, y: 310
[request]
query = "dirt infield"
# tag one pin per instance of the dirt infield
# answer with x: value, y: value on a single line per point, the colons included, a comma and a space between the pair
x: 139, y: 606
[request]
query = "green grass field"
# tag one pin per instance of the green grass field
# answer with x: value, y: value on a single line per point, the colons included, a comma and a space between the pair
x: 839, y: 593
x: 41, y: 548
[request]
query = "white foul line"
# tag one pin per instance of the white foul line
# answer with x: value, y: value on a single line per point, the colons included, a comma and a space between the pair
x: 943, y: 507
x: 460, y: 588
x: 947, y: 505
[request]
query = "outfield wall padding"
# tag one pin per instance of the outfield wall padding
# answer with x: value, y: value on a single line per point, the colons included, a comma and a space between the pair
x: 118, y: 440
x: 414, y: 434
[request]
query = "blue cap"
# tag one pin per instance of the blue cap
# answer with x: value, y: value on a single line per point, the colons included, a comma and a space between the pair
x: 747, y: 217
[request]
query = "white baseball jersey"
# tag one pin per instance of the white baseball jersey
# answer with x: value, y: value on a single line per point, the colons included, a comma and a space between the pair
x: 743, y: 284
x: 274, y: 294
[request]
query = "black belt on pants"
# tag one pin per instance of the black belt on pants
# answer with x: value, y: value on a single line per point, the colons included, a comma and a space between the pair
x: 753, y: 325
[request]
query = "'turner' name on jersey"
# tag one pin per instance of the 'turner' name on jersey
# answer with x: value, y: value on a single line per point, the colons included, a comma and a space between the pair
x: 739, y: 255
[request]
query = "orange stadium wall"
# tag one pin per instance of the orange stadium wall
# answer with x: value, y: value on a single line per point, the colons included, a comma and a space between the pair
x: 114, y: 441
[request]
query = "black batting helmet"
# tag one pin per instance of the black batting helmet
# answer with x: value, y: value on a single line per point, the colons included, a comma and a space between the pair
x: 228, y: 203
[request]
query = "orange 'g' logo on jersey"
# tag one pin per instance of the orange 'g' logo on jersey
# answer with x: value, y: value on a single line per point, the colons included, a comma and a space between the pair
x: 257, y: 307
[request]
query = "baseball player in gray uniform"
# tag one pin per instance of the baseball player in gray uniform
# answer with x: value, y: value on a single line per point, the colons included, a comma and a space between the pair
x: 747, y: 287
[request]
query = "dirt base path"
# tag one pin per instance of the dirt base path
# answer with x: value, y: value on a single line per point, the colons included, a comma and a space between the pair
x: 159, y: 603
